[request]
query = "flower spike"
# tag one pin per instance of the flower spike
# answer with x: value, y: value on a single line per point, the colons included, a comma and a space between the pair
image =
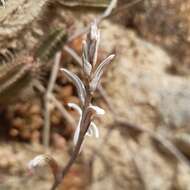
x: 93, y: 73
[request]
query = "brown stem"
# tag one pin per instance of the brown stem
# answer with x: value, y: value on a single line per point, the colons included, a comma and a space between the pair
x: 69, y: 164
x: 85, y: 123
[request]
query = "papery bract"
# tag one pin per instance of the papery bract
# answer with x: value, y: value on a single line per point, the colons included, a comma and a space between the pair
x: 78, y: 84
x: 93, y: 130
x: 75, y: 107
x: 96, y: 110
x: 99, y: 71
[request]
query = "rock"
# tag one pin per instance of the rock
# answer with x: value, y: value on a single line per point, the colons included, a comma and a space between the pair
x: 16, y: 16
x: 138, y: 82
x: 165, y: 23
x: 144, y: 93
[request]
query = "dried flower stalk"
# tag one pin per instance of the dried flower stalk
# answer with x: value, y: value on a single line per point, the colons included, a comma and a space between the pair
x: 86, y: 89
x: 87, y: 112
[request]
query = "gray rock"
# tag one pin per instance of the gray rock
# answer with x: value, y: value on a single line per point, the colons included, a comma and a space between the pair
x: 146, y: 94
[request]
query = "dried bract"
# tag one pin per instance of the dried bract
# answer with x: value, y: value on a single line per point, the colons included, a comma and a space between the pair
x: 41, y: 161
x: 87, y: 67
x: 78, y: 83
x: 95, y: 110
x: 93, y: 39
x: 99, y: 71
x: 93, y: 129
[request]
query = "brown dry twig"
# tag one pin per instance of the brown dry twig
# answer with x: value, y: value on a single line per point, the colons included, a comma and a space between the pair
x: 49, y: 97
x: 57, y: 104
x: 55, y: 69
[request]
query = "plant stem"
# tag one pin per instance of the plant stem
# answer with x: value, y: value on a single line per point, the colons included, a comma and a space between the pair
x: 85, y: 123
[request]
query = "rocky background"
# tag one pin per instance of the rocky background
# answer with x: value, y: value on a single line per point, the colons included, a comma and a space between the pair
x: 145, y: 138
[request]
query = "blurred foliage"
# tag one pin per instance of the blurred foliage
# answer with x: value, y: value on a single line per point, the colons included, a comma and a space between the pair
x: 53, y: 42
x: 89, y: 3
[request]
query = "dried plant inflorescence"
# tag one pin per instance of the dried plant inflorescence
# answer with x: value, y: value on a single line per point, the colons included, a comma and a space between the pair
x: 92, y: 73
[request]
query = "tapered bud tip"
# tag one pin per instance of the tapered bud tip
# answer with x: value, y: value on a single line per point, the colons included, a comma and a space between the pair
x: 75, y: 107
x: 112, y: 56
x: 62, y: 69
x: 38, y: 161
x: 94, y: 32
x: 41, y: 161
x: 97, y: 110
x: 100, y: 111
